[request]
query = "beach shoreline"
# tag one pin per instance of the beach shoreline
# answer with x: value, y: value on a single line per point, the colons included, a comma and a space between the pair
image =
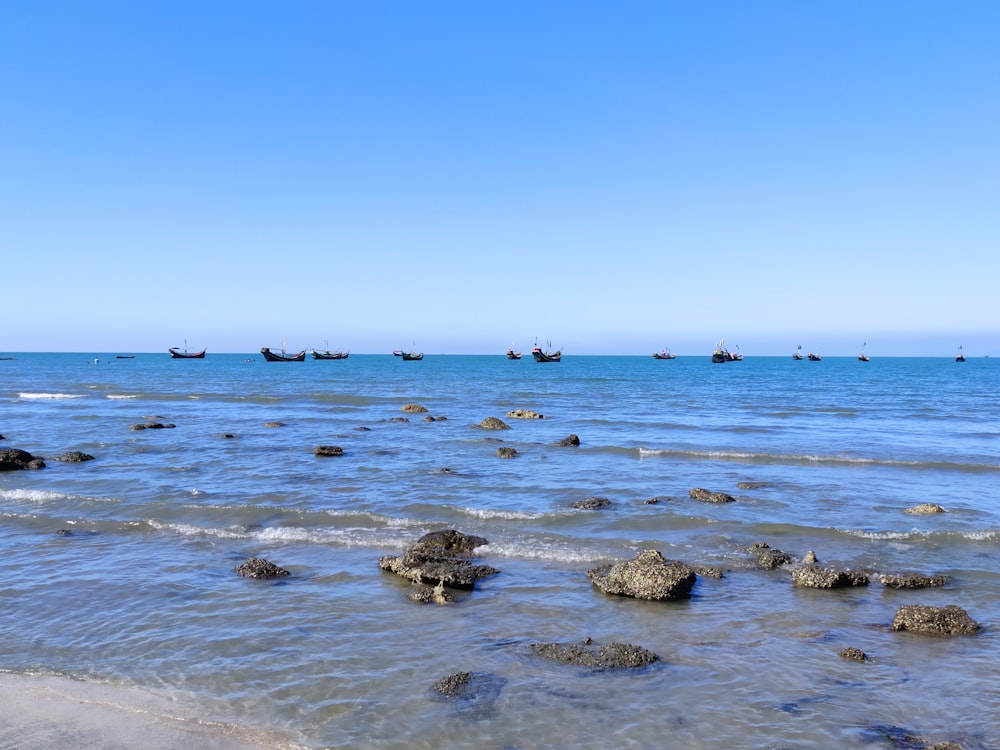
x: 55, y: 711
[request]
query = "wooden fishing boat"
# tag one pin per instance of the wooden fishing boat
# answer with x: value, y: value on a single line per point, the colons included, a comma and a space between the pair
x: 722, y: 354
x: 412, y: 356
x: 863, y: 357
x: 178, y: 353
x: 797, y: 355
x: 546, y: 356
x: 511, y: 353
x: 813, y: 357
x: 664, y: 354
x: 327, y: 354
x: 270, y: 356
x: 959, y: 357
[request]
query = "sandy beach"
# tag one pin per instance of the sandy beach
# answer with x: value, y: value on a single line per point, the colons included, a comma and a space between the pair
x: 45, y: 712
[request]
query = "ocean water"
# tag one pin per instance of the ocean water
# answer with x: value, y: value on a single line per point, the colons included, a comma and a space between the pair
x: 143, y: 591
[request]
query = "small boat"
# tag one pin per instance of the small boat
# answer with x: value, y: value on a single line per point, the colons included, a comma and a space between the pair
x: 327, y: 354
x: 178, y: 353
x: 863, y: 357
x: 664, y: 354
x: 797, y: 355
x: 511, y: 354
x: 813, y: 357
x: 722, y: 354
x: 412, y: 356
x: 124, y: 356
x: 547, y: 355
x: 397, y: 353
x: 270, y: 356
x: 959, y: 357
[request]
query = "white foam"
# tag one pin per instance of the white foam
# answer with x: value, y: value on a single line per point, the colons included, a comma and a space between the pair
x: 31, y: 496
x: 49, y: 395
x: 121, y: 396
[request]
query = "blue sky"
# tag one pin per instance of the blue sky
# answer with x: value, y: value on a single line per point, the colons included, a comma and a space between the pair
x: 613, y: 177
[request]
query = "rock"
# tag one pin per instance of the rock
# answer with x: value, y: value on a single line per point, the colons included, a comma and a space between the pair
x: 429, y: 418
x: 492, y: 423
x: 810, y: 558
x: 505, y: 452
x: 15, y: 459
x: 707, y: 496
x: 474, y: 694
x: 329, y: 450
x: 591, y: 503
x: 74, y: 457
x: 524, y: 414
x: 258, y: 567
x: 440, y: 558
x: 569, y: 442
x: 414, y: 409
x: 609, y: 656
x: 651, y: 501
x: 648, y: 576
x: 423, y: 594
x: 852, y: 654
x: 751, y: 485
x: 708, y: 571
x: 155, y: 426
x: 912, y: 580
x: 767, y: 557
x: 813, y: 576
x: 925, y: 509
x: 400, y: 419
x: 362, y: 428
x: 949, y: 620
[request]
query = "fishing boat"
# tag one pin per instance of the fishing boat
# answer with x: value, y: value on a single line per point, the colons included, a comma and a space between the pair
x: 327, y: 354
x: 664, y: 354
x: 124, y: 356
x: 412, y: 356
x: 546, y: 356
x: 959, y: 357
x: 722, y: 354
x: 863, y: 357
x: 270, y: 356
x: 797, y: 355
x: 397, y: 353
x: 511, y: 353
x: 178, y: 353
x: 814, y: 357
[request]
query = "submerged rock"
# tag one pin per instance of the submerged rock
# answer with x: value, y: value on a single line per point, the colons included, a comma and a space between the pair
x: 912, y: 580
x: 852, y: 653
x: 707, y: 496
x: 414, y: 409
x: 609, y: 656
x: 15, y: 459
x: 258, y: 567
x: 648, y: 576
x: 329, y: 450
x: 591, y: 503
x: 154, y: 426
x: 423, y: 594
x: 925, y: 509
x: 767, y: 557
x: 506, y: 452
x: 74, y: 457
x: 493, y: 423
x: 920, y: 618
x: 524, y: 414
x: 569, y: 442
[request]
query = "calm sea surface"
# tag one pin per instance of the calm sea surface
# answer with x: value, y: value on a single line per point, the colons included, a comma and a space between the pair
x: 143, y: 592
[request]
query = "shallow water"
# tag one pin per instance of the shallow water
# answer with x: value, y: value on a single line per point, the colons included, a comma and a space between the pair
x: 144, y: 592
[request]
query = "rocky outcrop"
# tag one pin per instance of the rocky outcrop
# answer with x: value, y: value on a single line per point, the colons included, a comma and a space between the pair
x: 571, y: 441
x: 15, y: 459
x: 767, y: 557
x: 74, y: 457
x: 524, y: 414
x: 591, y: 503
x: 506, y: 452
x: 493, y: 423
x: 440, y: 557
x: 155, y: 426
x: 648, y: 576
x: 925, y: 509
x: 414, y: 409
x: 707, y: 496
x: 816, y: 577
x: 851, y: 653
x: 258, y: 567
x: 473, y: 694
x: 329, y: 450
x: 911, y: 580
x: 422, y: 594
x: 751, y: 485
x: 609, y: 656
x: 920, y: 618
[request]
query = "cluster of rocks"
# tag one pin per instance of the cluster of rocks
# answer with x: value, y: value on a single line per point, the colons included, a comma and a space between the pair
x: 258, y: 567
x: 440, y: 557
x: 15, y: 459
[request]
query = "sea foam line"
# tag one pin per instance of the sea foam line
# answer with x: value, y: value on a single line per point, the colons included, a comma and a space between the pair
x: 49, y: 395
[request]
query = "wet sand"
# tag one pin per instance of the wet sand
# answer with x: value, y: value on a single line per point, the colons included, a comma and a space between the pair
x: 43, y: 711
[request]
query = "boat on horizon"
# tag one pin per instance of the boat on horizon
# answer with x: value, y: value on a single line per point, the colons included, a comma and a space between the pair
x: 797, y: 355
x: 814, y: 357
x: 177, y: 353
x: 546, y: 356
x: 959, y: 357
x: 722, y: 354
x: 511, y: 353
x: 412, y: 356
x: 327, y: 354
x: 664, y: 354
x: 270, y: 356
x: 863, y: 357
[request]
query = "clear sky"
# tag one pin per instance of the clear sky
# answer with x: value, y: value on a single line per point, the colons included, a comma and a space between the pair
x: 615, y: 177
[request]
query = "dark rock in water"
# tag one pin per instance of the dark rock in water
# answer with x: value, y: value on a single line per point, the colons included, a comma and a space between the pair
x: 925, y: 509
x: 571, y: 442
x: 707, y: 496
x: 440, y: 558
x: 422, y: 594
x: 767, y: 557
x: 751, y: 485
x: 591, y: 503
x: 74, y: 457
x: 912, y: 580
x: 64, y: 532
x: 493, y: 423
x: 506, y: 452
x: 429, y: 418
x: 708, y: 571
x: 524, y: 414
x: 813, y: 576
x: 329, y: 450
x: 648, y: 576
x: 474, y: 694
x: 852, y: 654
x: 405, y: 420
x: 152, y: 426
x: 414, y: 409
x: 228, y: 435
x: 920, y: 618
x: 362, y: 428
x: 274, y: 424
x: 609, y: 656
x: 258, y: 567
x: 15, y: 459
x: 900, y: 738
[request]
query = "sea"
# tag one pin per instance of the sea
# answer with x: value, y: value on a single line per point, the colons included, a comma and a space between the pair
x: 121, y: 570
